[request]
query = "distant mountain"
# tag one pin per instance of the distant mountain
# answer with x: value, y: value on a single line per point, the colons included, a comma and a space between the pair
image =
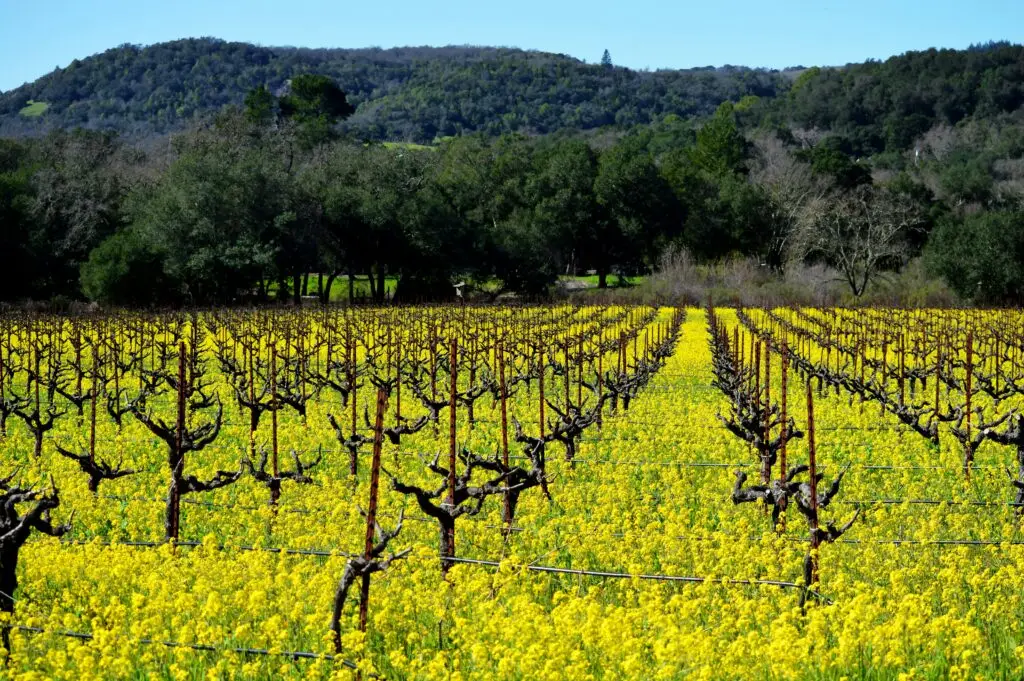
x: 412, y: 94
x: 418, y: 94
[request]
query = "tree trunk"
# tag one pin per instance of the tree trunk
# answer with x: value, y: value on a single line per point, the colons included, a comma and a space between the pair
x: 766, y: 468
x: 380, y: 283
x: 8, y: 577
x: 8, y: 585
x: 602, y: 279
x: 296, y: 289
x: 325, y: 296
x: 172, y: 510
x: 351, y: 287
x: 305, y: 284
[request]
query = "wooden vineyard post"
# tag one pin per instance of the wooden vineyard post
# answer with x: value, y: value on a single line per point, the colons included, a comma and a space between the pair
x: 353, y: 459
x: 178, y: 465
x: 903, y: 370
x: 472, y: 373
x: 3, y: 414
x: 938, y: 371
x: 449, y: 549
x: 600, y: 385
x: 756, y: 376
x: 433, y: 369
x: 275, y: 491
x: 622, y: 354
x: 398, y: 377
x: 968, y: 388
x: 766, y: 478
x: 755, y: 354
x: 783, y: 434
x: 568, y: 375
x: 579, y: 373
x: 94, y: 396
x: 812, y: 574
x: 503, y: 388
x: 885, y: 370
x: 540, y: 389
x: 863, y: 362
x: 998, y: 361
x: 371, y: 510
x: 250, y: 352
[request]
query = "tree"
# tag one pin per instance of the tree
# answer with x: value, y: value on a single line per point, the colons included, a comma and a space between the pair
x: 860, y: 233
x: 314, y: 103
x: 725, y: 213
x: 829, y: 161
x: 721, y: 148
x: 565, y: 208
x: 219, y: 214
x: 18, y: 271
x: 260, y: 106
x: 981, y: 256
x: 329, y: 199
x: 638, y: 210
x: 606, y: 59
x: 77, y: 203
x: 127, y: 270
x: 789, y: 186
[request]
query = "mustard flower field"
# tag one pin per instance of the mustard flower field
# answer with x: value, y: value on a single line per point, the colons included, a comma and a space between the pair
x: 513, y: 493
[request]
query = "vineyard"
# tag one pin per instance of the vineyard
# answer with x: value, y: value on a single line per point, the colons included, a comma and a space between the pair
x: 512, y: 492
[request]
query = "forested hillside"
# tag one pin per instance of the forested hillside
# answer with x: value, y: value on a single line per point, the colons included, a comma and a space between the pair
x: 407, y: 94
x: 421, y: 94
x: 537, y: 166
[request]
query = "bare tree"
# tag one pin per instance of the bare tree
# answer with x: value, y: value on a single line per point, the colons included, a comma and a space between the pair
x: 860, y: 233
x: 790, y: 186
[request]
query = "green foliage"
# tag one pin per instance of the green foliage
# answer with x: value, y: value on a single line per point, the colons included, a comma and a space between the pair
x: 314, y: 103
x: 17, y: 275
x: 126, y: 270
x: 412, y: 94
x: 243, y: 204
x: 219, y: 215
x: 260, y: 106
x: 721, y: 149
x: 828, y: 159
x: 638, y: 206
x: 981, y: 256
x: 887, y: 105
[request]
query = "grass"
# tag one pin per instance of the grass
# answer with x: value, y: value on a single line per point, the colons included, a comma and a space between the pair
x: 34, y: 109
x: 591, y: 280
x: 408, y: 145
x: 339, y: 288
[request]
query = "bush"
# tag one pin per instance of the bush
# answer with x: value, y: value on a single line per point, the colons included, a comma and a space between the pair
x: 125, y: 270
x: 981, y: 256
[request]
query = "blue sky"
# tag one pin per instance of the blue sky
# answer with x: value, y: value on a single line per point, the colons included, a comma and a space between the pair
x: 37, y: 36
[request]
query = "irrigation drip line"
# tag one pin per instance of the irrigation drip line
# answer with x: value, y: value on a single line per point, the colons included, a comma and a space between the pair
x: 924, y: 542
x: 321, y: 553
x: 804, y: 540
x: 200, y: 647
x: 652, y: 577
x: 925, y: 502
x: 547, y: 569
